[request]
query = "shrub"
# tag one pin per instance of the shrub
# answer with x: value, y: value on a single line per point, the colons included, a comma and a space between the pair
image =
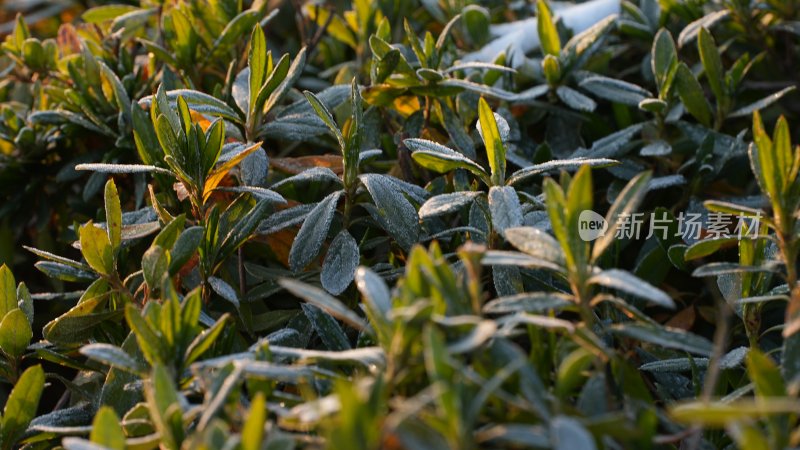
x: 400, y: 225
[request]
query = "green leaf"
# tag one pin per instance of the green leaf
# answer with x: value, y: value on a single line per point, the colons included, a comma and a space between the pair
x: 113, y: 215
x: 122, y: 168
x: 784, y: 156
x: 629, y: 283
x: 733, y: 209
x: 62, y: 117
x: 25, y: 301
x: 625, y: 204
x: 375, y: 292
x: 763, y: 161
x: 21, y: 405
x: 355, y: 133
x: 441, y: 159
x: 336, y: 27
x: 664, y: 61
x: 690, y: 31
x: 165, y: 409
x: 446, y: 203
x: 535, y: 242
x: 719, y: 414
x: 748, y: 436
x: 505, y: 208
x: 275, y: 80
x: 15, y: 333
x: 386, y: 66
x: 790, y: 366
x: 107, y: 12
x: 558, y: 164
x: 257, y: 61
x: 440, y: 370
x: 341, y: 261
x: 575, y: 99
x: 312, y: 234
x: 107, y: 429
x: 185, y: 247
x: 214, y: 141
x: 253, y: 430
x: 200, y: 102
x: 113, y: 356
x: 399, y: 216
x: 33, y: 53
x: 691, y: 94
x: 243, y: 228
x: 765, y: 375
x: 506, y: 258
x: 149, y: 342
x: 712, y: 65
x: 579, y: 199
x: 324, y: 301
x: 665, y: 337
x: 476, y: 22
x: 761, y: 104
x: 233, y: 32
x: 169, y: 233
x: 293, y: 74
x: 495, y: 150
x: 96, y: 248
x: 8, y: 291
x: 121, y: 97
x: 224, y: 290
x: 326, y: 116
x: 548, y: 35
x: 614, y: 90
x: 707, y: 247
x: 529, y: 302
x: 556, y: 209
x: 77, y: 324
x: 552, y: 70
x: 155, y: 266
x: 203, y: 341
x: 327, y: 328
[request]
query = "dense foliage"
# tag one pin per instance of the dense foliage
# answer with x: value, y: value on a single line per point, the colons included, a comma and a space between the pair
x: 362, y: 225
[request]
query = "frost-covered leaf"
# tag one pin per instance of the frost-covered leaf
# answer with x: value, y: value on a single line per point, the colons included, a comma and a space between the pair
x: 530, y: 302
x: 446, y: 203
x: 575, y: 99
x: 327, y: 328
x: 312, y: 234
x: 535, y: 242
x: 559, y: 164
x: 441, y: 159
x: 689, y: 32
x: 761, y: 104
x: 224, y: 290
x: 614, y: 90
x: 399, y: 215
x: 324, y: 301
x: 505, y: 208
x: 341, y: 261
x: 665, y: 337
x: 631, y: 284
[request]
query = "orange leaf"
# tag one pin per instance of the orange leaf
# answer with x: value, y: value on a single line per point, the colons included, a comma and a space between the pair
x: 683, y: 319
x: 216, y: 176
x: 200, y: 120
x: 407, y: 105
